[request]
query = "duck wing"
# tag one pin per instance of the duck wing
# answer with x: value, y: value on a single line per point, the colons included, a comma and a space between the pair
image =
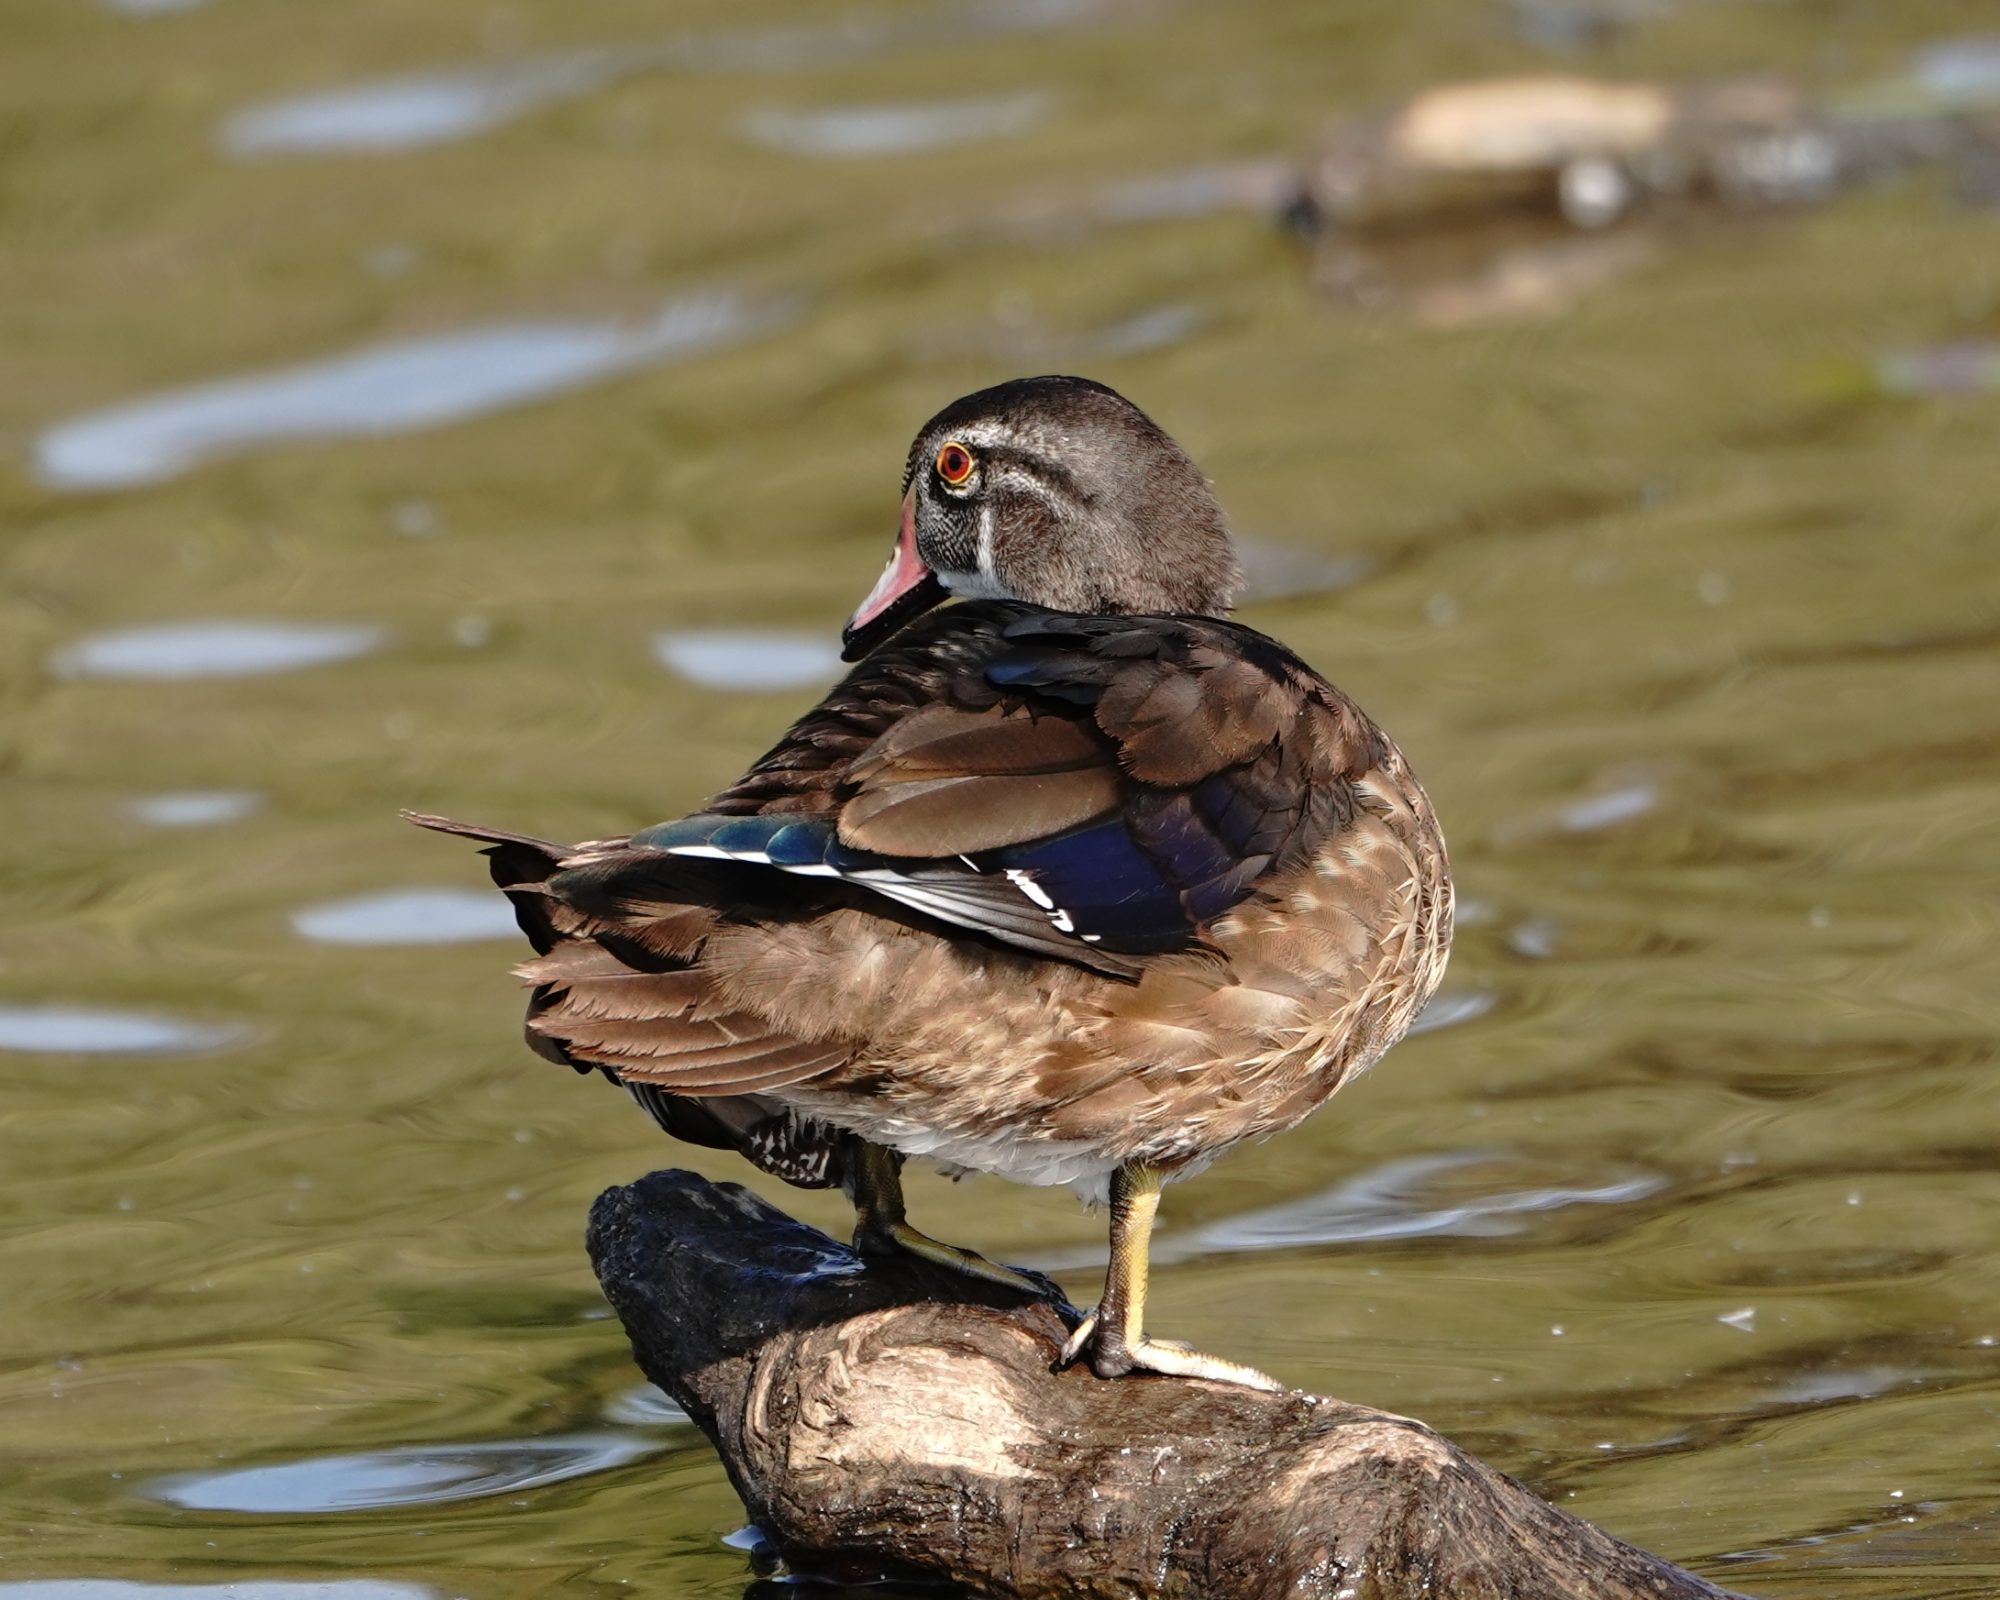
x: 1088, y: 790
x: 1092, y: 789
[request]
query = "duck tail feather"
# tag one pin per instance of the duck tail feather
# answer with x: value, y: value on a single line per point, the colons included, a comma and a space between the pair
x: 470, y: 830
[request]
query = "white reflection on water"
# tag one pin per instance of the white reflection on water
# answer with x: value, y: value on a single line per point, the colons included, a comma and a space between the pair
x: 857, y: 38
x: 1024, y: 342
x: 748, y: 658
x: 1961, y: 72
x: 1610, y: 808
x: 235, y: 1589
x: 393, y: 387
x: 405, y: 1475
x: 1406, y: 1198
x: 1257, y: 186
x: 410, y: 916
x: 1958, y: 366
x: 1536, y: 938
x: 1391, y: 1201
x: 403, y: 113
x: 218, y: 649
x: 99, y: 1030
x: 195, y: 808
x: 1448, y: 1010
x: 1154, y: 328
x: 424, y: 108
x: 647, y: 1406
x: 1810, y: 1388
x: 877, y: 130
x: 1275, y: 571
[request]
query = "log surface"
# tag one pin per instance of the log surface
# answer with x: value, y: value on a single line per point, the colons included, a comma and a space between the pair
x: 892, y: 1418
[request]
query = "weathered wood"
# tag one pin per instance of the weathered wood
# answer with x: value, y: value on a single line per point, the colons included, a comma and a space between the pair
x: 892, y: 1417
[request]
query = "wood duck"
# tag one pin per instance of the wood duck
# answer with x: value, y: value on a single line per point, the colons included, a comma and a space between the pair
x: 1074, y: 881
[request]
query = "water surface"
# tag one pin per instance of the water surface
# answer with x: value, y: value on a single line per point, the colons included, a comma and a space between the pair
x: 469, y: 410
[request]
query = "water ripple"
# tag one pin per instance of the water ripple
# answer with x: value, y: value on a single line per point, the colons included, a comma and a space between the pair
x: 423, y: 108
x: 195, y: 808
x: 1273, y: 570
x: 409, y: 916
x: 1609, y: 809
x: 1400, y: 1200
x: 1259, y: 186
x: 646, y: 1406
x: 235, y: 1589
x: 412, y: 110
x: 100, y: 1030
x: 403, y: 1476
x: 1960, y: 72
x: 1026, y: 344
x: 879, y: 130
x: 392, y: 387
x: 858, y: 38
x: 748, y: 658
x: 213, y: 649
x: 1449, y: 1010
x: 1956, y: 367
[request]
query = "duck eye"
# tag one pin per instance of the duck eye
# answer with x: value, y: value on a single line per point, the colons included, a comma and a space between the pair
x: 954, y: 464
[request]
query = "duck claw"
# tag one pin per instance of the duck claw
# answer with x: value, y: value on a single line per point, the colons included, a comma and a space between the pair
x: 1168, y: 1357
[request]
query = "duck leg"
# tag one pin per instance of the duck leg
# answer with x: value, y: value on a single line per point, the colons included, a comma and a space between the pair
x: 1114, y: 1335
x: 875, y: 1185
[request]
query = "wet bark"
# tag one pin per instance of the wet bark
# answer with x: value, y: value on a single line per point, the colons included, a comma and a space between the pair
x: 899, y: 1420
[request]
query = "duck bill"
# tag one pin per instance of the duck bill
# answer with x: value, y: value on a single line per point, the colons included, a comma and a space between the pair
x: 906, y: 589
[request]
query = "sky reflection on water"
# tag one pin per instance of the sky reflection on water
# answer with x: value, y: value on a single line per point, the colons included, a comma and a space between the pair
x: 424, y: 108
x: 749, y: 658
x: 195, y: 808
x: 448, y: 914
x: 1390, y: 1202
x: 224, y: 648
x: 392, y: 387
x: 846, y: 132
x: 56, y: 1029
x: 233, y: 1589
x: 404, y: 1476
x: 413, y: 110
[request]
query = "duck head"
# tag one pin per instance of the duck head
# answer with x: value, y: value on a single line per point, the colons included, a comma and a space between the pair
x: 1056, y: 491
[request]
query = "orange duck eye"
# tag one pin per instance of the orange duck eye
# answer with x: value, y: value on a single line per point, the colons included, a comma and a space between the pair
x: 954, y: 464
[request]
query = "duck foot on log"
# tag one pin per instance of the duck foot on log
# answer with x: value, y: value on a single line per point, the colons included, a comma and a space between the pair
x: 899, y: 1418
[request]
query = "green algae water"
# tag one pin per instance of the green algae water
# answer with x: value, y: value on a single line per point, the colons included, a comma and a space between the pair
x: 496, y: 409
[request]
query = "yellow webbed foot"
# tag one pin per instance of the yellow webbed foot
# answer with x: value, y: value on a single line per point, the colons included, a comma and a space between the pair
x: 1114, y: 1357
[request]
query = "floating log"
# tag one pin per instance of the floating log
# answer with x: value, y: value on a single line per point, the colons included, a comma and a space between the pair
x: 888, y: 1419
